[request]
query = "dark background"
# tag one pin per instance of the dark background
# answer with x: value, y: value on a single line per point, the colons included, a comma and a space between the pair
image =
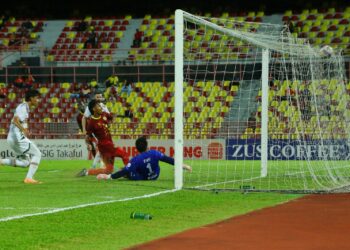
x: 56, y: 9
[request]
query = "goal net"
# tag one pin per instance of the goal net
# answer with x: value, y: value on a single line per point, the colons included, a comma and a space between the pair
x: 264, y: 109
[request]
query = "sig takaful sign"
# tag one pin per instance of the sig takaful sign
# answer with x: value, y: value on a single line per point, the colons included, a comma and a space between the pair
x: 52, y: 149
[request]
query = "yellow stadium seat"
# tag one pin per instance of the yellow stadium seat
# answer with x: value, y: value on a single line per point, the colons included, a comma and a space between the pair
x: 288, y: 13
x: 47, y: 120
x: 109, y: 23
x: 71, y: 35
x: 163, y: 119
x: 54, y: 100
x: 55, y: 110
x: 50, y: 58
x: 43, y: 90
x: 119, y: 34
x: 33, y: 35
x: 162, y: 21
x: 109, y: 105
x: 12, y: 29
x: 69, y: 24
x: 80, y: 46
x: 66, y: 95
x: 105, y: 45
x: 143, y: 27
x: 12, y: 96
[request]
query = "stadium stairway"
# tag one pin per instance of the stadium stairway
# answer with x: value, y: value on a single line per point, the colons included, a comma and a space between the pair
x: 243, y: 105
x: 47, y: 39
x: 126, y: 41
x: 51, y: 32
x: 7, y: 58
x: 273, y: 19
x: 31, y: 61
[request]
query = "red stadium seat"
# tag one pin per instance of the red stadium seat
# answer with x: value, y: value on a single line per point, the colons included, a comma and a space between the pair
x: 170, y: 21
x: 338, y: 15
x: 332, y: 28
x: 315, y: 28
x: 321, y: 34
x: 336, y: 40
x: 328, y: 16
x: 344, y: 21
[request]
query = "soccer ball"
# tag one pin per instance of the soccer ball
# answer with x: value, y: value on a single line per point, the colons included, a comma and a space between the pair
x: 326, y: 50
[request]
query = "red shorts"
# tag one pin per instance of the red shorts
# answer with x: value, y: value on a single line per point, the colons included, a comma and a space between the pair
x: 106, y: 149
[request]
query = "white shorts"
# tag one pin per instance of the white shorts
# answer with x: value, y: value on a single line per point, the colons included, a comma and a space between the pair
x: 20, y: 144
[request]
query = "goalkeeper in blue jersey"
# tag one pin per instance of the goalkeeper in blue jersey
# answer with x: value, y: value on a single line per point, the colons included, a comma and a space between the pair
x: 144, y: 166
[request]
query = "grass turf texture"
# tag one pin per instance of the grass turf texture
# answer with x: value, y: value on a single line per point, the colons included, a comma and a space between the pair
x: 107, y: 226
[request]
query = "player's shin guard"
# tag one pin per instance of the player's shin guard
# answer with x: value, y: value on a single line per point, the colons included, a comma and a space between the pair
x: 97, y: 159
x: 122, y: 154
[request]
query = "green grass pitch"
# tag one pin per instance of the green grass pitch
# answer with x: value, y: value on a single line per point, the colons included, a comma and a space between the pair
x: 107, y: 226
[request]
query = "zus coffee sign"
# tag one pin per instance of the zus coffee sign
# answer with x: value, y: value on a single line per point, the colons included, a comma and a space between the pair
x: 289, y: 150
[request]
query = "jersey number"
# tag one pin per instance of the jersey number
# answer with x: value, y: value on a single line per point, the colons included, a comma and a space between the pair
x: 150, y: 171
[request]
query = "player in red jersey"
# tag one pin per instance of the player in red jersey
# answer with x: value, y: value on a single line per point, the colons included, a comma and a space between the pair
x: 98, y: 127
x: 91, y: 144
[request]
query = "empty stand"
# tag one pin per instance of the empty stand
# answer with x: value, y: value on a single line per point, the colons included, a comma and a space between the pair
x: 75, y: 45
x: 329, y: 27
x: 18, y: 34
x: 286, y: 122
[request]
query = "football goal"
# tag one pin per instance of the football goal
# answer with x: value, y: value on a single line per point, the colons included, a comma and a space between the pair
x: 267, y: 110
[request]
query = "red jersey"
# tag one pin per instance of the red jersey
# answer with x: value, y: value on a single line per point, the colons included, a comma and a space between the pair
x: 98, y: 126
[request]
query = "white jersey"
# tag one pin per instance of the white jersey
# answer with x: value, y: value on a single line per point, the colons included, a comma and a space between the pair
x: 16, y: 139
x: 22, y: 112
x: 87, y: 112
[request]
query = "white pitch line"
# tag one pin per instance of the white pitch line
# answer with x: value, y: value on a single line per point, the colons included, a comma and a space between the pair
x: 26, y: 208
x: 225, y: 182
x: 57, y: 210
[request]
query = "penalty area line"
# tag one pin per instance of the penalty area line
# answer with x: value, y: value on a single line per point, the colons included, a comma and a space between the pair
x: 57, y: 210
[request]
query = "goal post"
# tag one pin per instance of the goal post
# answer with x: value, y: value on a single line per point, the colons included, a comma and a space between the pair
x: 178, y: 135
x: 264, y: 111
x: 261, y: 108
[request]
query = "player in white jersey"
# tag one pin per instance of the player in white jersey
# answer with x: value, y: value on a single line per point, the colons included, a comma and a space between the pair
x: 87, y: 115
x: 27, y: 152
